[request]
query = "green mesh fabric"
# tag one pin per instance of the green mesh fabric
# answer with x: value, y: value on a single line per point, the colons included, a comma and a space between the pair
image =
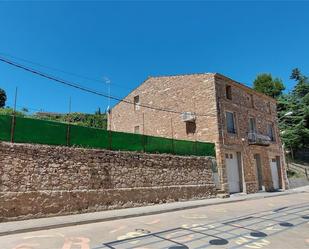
x: 29, y: 130
x: 184, y: 148
x: 205, y: 149
x: 126, y: 141
x: 88, y: 137
x: 5, y: 127
x: 158, y: 145
x: 40, y: 131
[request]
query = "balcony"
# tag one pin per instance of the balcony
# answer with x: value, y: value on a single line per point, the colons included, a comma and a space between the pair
x: 258, y: 139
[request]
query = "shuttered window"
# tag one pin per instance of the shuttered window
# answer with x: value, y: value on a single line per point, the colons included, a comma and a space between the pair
x: 230, y: 122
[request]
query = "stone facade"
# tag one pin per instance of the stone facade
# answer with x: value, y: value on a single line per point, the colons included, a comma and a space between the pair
x: 206, y: 95
x: 38, y: 180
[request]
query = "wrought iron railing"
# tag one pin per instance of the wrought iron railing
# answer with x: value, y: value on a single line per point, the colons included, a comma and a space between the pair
x: 258, y: 139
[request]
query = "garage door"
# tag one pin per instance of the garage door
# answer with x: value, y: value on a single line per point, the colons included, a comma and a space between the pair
x: 274, y: 173
x: 232, y: 172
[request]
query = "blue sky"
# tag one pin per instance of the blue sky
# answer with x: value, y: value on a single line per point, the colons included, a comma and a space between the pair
x: 126, y: 42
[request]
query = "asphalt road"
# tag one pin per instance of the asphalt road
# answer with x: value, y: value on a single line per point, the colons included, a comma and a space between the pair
x: 278, y: 222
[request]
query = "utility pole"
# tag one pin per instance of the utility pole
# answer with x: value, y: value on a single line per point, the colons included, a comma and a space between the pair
x: 69, y: 126
x: 172, y: 130
x: 14, y: 117
x: 143, y: 137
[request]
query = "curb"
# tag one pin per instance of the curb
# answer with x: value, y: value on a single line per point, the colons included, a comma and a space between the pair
x: 133, y: 215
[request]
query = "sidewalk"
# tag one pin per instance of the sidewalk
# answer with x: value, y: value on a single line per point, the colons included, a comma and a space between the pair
x: 15, y: 227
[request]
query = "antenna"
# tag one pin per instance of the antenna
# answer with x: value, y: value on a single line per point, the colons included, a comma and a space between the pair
x: 108, y: 82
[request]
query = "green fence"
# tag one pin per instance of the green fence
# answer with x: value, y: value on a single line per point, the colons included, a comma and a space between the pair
x: 28, y: 130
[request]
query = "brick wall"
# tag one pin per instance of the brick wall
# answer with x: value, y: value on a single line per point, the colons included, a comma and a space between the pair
x: 38, y: 181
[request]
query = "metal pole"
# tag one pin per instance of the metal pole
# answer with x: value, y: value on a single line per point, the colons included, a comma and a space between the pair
x: 143, y: 137
x: 15, y: 100
x: 110, y: 129
x: 69, y: 126
x: 109, y: 95
x: 195, y: 131
x: 70, y: 105
x: 14, y: 118
x: 172, y: 129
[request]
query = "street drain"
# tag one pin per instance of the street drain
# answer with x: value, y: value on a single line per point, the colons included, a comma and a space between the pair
x: 258, y: 234
x: 218, y: 242
x: 286, y: 224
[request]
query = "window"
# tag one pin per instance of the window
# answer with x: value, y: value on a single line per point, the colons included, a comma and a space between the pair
x: 252, y: 125
x: 136, y: 129
x: 269, y: 107
x: 190, y: 127
x: 228, y: 92
x: 230, y: 122
x: 136, y: 103
x: 251, y: 100
x: 270, y: 132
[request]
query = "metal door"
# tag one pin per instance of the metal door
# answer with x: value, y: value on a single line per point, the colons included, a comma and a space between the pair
x: 274, y: 173
x: 232, y: 172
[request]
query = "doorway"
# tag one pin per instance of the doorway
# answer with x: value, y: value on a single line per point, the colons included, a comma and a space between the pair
x: 258, y: 166
x: 232, y: 172
x: 274, y: 173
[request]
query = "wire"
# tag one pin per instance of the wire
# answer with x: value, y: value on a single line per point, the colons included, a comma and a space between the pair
x: 65, y: 72
x: 82, y: 88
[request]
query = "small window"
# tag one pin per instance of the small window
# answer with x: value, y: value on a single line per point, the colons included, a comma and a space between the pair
x: 251, y: 100
x: 136, y: 129
x: 270, y: 132
x: 252, y: 125
x: 231, y: 156
x: 269, y: 107
x: 190, y: 127
x: 227, y: 156
x: 228, y: 91
x: 230, y: 123
x: 136, y: 103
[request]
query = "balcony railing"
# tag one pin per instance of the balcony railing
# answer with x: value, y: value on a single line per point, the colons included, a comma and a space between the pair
x: 258, y: 139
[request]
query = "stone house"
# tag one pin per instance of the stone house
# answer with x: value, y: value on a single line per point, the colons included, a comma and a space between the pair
x: 211, y: 107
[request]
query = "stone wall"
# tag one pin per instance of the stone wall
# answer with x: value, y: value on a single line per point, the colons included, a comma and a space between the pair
x: 38, y: 181
x: 246, y: 103
x: 206, y: 94
x: 183, y: 93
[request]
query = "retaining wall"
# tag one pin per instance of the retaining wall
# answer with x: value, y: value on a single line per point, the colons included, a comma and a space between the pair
x: 40, y: 181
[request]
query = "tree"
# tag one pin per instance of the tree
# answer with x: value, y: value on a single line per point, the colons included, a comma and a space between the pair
x: 302, y: 86
x: 295, y: 128
x: 2, y: 98
x: 24, y: 109
x: 265, y: 83
x: 98, y: 111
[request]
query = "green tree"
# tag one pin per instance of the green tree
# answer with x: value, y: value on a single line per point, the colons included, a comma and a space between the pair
x: 98, y: 112
x: 302, y: 87
x: 268, y: 85
x: 2, y: 98
x: 10, y: 111
x: 295, y: 128
x: 24, y: 109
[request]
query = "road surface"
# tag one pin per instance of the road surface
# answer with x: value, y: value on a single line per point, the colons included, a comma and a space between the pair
x: 278, y: 222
